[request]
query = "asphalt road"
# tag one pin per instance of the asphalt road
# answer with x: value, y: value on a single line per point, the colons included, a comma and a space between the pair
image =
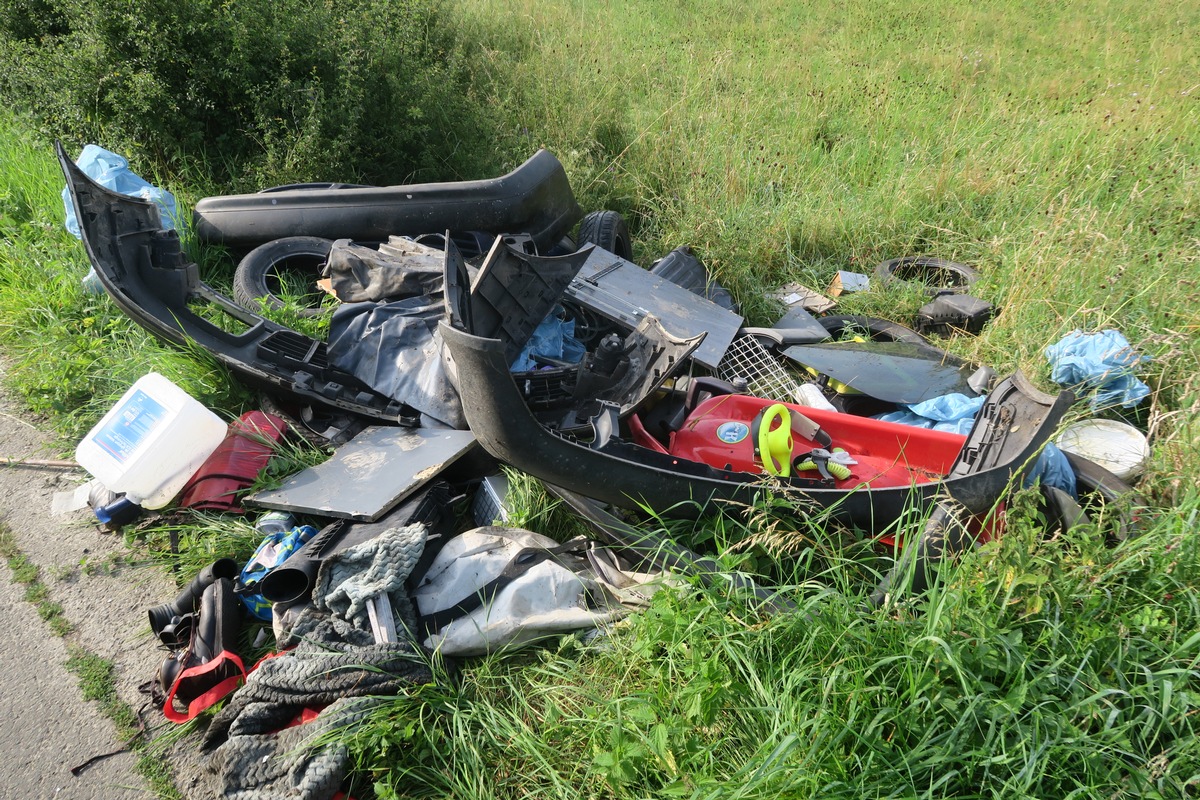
x: 46, y: 727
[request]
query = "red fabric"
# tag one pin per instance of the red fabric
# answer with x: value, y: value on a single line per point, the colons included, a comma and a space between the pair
x: 235, y: 464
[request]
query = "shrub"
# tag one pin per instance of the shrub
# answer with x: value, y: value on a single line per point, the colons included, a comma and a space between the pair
x: 254, y: 92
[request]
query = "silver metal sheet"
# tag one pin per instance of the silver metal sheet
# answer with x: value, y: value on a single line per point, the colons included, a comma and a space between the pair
x: 625, y: 293
x: 369, y: 475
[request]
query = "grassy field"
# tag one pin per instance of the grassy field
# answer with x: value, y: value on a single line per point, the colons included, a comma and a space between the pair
x: 1056, y: 149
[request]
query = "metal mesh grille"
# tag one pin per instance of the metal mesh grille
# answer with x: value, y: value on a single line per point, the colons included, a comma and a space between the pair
x: 747, y: 358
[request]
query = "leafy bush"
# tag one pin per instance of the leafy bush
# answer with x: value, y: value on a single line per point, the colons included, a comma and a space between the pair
x: 255, y: 92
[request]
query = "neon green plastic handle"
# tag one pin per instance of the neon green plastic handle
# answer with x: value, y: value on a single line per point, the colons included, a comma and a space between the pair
x: 775, y: 446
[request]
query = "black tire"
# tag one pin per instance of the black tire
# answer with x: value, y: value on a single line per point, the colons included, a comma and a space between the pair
x: 936, y: 274
x: 606, y: 229
x: 261, y: 274
x: 881, y: 330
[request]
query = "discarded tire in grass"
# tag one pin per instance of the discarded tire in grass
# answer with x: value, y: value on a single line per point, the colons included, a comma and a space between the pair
x: 936, y: 274
x: 606, y: 229
x: 268, y: 271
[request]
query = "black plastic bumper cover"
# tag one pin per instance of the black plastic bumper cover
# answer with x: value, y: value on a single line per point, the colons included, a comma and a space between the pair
x: 144, y: 270
x: 535, y: 198
x: 1010, y: 432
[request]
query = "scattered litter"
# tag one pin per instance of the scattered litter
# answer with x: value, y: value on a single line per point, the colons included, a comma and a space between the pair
x: 1117, y: 446
x: 952, y: 412
x: 794, y: 295
x: 950, y: 313
x: 1103, y: 362
x: 369, y: 475
x: 845, y: 282
x: 151, y: 442
x: 493, y: 589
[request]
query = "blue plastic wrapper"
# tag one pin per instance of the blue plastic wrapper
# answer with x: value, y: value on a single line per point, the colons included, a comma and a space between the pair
x: 552, y: 338
x: 1102, y: 362
x: 112, y: 172
x: 275, y: 548
x: 955, y: 413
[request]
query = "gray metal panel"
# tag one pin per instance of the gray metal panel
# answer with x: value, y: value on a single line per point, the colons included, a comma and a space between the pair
x: 625, y: 293
x: 369, y: 475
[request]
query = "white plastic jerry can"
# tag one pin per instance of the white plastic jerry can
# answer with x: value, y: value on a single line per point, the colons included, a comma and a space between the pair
x: 151, y: 442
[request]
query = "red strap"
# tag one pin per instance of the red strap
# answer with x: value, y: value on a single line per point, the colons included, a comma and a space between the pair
x: 213, y: 695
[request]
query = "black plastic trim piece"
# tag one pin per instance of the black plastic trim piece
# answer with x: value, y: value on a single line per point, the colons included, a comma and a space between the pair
x: 535, y: 198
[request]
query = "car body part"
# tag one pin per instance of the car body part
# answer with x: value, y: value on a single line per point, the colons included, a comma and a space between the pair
x: 535, y: 198
x: 894, y: 372
x: 936, y: 274
x: 616, y: 471
x: 369, y: 475
x: 624, y: 293
x: 235, y: 464
x: 263, y: 273
x: 607, y: 230
x: 950, y: 313
x: 799, y: 326
x: 682, y: 268
x: 145, y: 272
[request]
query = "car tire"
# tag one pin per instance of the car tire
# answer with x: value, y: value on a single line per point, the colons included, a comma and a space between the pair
x: 257, y: 278
x: 881, y: 330
x: 935, y: 274
x: 607, y: 230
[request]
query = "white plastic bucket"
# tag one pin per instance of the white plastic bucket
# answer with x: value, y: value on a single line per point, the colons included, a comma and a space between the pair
x: 151, y: 442
x: 1119, y: 448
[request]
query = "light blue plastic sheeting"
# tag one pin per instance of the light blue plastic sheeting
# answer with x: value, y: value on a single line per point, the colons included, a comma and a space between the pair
x: 1103, y: 362
x: 112, y: 172
x: 553, y: 338
x: 955, y: 413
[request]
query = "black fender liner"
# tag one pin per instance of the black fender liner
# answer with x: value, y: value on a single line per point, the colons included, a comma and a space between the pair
x: 535, y: 198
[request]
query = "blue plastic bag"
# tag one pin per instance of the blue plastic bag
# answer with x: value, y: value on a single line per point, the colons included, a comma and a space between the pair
x: 1103, y: 362
x: 956, y: 413
x: 112, y: 172
x: 553, y: 338
x: 275, y: 548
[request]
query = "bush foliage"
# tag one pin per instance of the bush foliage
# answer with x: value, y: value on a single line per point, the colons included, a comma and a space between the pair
x: 254, y: 92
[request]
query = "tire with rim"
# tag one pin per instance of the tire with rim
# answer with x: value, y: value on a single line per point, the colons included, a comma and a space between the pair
x: 606, y: 229
x: 936, y: 274
x: 262, y: 274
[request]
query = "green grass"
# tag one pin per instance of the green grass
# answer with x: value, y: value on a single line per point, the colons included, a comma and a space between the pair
x: 1054, y: 148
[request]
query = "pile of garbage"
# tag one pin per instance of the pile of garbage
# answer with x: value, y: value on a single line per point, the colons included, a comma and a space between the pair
x: 471, y: 334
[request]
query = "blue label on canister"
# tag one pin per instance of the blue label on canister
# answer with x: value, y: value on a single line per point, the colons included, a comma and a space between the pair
x: 130, y: 426
x: 732, y: 432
